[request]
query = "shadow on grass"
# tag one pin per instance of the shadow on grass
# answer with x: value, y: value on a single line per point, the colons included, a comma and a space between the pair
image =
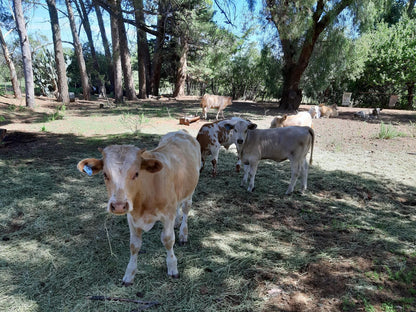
x: 59, y: 245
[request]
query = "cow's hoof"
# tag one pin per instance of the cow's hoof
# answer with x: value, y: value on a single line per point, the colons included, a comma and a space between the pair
x: 175, y: 276
x: 182, y: 243
x: 126, y: 284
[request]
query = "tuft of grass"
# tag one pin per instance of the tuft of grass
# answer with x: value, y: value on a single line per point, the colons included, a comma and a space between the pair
x: 57, y: 115
x: 134, y: 122
x: 389, y: 132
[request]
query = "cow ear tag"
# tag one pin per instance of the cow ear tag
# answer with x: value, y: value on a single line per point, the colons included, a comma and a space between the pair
x: 88, y: 170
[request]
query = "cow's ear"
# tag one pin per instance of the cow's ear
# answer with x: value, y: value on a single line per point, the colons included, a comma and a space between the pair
x: 228, y: 126
x: 151, y: 165
x: 252, y: 126
x: 90, y: 165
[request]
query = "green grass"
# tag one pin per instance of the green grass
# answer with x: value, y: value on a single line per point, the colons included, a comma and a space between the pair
x: 389, y: 132
x: 58, y: 245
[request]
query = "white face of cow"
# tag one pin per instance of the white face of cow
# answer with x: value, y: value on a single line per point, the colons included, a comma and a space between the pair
x: 122, y: 166
x: 240, y: 130
x: 121, y: 170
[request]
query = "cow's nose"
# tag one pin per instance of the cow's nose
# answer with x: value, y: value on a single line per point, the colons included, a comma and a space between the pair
x: 119, y: 207
x: 240, y: 141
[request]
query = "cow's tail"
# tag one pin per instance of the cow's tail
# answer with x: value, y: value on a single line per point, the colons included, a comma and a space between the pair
x: 312, y: 133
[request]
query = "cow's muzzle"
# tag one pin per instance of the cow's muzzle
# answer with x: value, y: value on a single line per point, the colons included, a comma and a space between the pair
x: 240, y: 141
x: 119, y: 207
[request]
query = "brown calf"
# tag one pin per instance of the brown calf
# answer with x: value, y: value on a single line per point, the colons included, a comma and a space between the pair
x: 215, y: 101
x: 212, y: 136
x: 150, y: 186
x: 328, y: 111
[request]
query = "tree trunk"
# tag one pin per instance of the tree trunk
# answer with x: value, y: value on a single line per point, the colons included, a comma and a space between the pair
x: 297, y: 50
x: 182, y: 68
x: 95, y: 75
x: 125, y: 57
x: 118, y: 85
x: 106, y: 45
x: 143, y: 54
x: 26, y: 53
x: 63, y: 95
x: 79, y: 53
x: 157, y: 55
x: 410, y: 8
x: 410, y: 95
x: 13, y: 76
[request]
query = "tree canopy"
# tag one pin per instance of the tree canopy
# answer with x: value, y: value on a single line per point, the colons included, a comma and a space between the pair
x: 306, y: 50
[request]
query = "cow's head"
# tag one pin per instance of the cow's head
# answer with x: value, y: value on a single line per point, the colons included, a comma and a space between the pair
x: 334, y: 112
x: 240, y: 129
x: 122, y: 166
x: 277, y: 121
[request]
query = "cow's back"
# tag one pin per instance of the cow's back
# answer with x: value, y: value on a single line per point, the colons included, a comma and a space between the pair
x: 181, y: 157
x: 277, y: 143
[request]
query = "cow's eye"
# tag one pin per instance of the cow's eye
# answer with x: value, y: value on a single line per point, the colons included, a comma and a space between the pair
x: 135, y: 176
x: 106, y: 177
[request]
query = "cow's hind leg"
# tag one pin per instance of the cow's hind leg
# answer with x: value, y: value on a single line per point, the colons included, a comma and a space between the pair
x: 135, y: 245
x: 295, y: 170
x: 183, y: 230
x: 168, y: 240
x: 304, y: 174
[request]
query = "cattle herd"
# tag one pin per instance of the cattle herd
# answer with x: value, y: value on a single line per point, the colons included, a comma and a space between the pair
x: 151, y: 186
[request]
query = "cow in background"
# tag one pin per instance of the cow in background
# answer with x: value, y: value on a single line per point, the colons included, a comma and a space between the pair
x: 215, y: 101
x: 302, y: 119
x: 315, y: 112
x: 150, y: 186
x: 368, y: 114
x: 277, y: 144
x: 212, y: 136
x: 328, y: 111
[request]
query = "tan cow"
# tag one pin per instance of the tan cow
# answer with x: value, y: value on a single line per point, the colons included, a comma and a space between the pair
x: 215, y: 101
x: 211, y: 137
x: 302, y: 119
x: 328, y: 111
x: 150, y: 186
x: 278, y: 144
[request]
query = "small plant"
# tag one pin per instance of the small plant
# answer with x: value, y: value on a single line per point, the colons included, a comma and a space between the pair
x: 57, y: 115
x: 388, y: 307
x: 2, y: 118
x: 389, y: 132
x: 43, y: 129
x: 134, y: 122
x: 412, y: 129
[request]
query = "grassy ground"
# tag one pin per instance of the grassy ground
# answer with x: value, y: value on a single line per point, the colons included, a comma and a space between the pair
x: 348, y: 244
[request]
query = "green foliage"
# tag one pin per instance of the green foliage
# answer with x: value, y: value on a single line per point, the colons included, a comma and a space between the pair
x: 390, y: 65
x: 44, y: 71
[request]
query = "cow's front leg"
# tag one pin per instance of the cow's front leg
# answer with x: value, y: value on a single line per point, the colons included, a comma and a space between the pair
x: 246, y: 173
x: 252, y: 172
x: 168, y: 240
x: 215, y: 150
x: 135, y: 245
